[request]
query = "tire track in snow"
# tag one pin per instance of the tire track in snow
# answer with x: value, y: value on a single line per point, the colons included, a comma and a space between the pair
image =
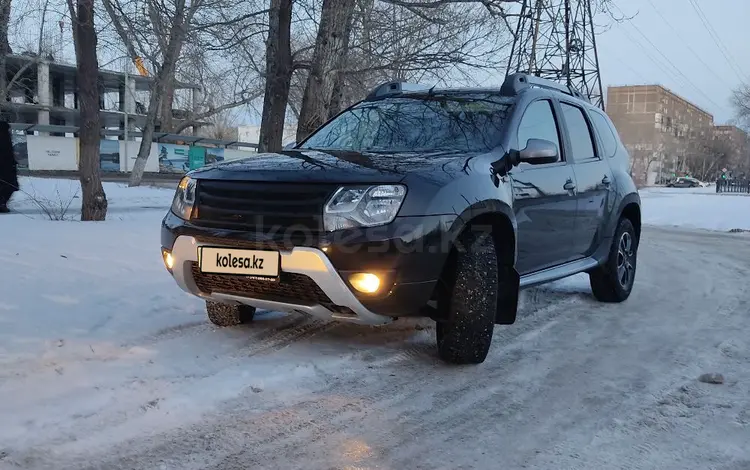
x: 284, y: 338
x: 337, y: 415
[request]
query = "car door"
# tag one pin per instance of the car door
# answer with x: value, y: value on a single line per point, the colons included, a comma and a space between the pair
x: 593, y: 174
x: 543, y: 195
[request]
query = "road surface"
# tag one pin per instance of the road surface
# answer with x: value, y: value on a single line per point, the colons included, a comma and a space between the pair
x: 574, y: 384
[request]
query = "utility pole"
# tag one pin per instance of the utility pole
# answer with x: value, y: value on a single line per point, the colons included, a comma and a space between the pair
x: 555, y: 39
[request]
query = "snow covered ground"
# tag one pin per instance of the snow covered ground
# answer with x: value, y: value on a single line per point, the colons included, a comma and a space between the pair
x: 698, y: 208
x: 105, y: 363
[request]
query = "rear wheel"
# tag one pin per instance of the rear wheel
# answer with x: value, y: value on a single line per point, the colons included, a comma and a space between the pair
x: 229, y: 315
x: 613, y: 281
x: 464, y: 333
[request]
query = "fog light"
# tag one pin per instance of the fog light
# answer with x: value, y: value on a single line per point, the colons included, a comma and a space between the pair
x: 168, y: 259
x: 367, y: 283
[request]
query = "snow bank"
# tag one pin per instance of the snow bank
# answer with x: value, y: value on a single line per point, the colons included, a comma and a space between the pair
x: 58, y: 195
x: 699, y: 208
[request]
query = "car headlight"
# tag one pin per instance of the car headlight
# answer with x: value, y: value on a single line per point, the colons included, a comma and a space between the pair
x: 363, y: 206
x: 184, y: 198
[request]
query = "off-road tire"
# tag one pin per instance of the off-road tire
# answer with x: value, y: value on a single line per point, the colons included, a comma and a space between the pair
x: 229, y: 315
x: 607, y: 281
x: 464, y: 334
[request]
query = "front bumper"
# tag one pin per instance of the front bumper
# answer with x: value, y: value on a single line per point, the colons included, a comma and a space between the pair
x: 410, y: 253
x: 307, y: 261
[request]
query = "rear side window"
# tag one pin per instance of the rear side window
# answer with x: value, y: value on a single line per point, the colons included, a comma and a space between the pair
x: 603, y: 128
x: 578, y: 131
x: 538, y: 122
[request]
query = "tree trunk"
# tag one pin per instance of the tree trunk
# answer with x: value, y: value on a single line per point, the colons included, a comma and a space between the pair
x: 167, y: 100
x: 337, y: 102
x: 278, y: 76
x: 337, y: 96
x: 331, y: 46
x: 166, y: 71
x: 94, y: 199
x: 4, y: 49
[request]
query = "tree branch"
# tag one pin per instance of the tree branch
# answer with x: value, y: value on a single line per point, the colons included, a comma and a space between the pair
x: 212, y: 112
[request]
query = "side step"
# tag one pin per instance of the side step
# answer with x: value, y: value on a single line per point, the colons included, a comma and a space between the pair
x: 558, y: 272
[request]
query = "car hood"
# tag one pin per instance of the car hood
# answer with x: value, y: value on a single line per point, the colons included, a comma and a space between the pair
x: 337, y: 167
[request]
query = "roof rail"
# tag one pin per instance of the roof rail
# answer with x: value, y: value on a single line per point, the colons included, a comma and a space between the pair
x: 395, y: 88
x: 517, y: 82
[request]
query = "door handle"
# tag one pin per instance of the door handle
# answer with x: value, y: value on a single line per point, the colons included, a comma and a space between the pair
x: 569, y: 185
x: 606, y: 181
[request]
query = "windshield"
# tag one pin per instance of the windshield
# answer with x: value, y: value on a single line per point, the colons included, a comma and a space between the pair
x: 416, y: 124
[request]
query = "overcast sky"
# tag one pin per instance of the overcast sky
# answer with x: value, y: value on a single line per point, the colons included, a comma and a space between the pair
x: 705, y: 76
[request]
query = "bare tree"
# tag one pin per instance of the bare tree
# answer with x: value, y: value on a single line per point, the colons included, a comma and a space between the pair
x: 171, y: 45
x: 398, y: 40
x: 331, y: 47
x: 278, y: 75
x: 432, y: 42
x: 211, y: 25
x: 4, y: 48
x: 223, y: 126
x: 94, y: 206
x: 708, y: 156
x: 741, y: 103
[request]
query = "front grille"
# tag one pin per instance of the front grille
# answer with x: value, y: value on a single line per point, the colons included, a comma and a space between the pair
x: 289, y: 288
x: 265, y: 207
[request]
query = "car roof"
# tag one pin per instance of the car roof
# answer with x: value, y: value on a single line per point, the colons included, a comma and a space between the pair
x: 492, y: 95
x: 495, y: 92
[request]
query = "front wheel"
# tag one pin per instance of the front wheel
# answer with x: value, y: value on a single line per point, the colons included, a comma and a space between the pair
x: 613, y: 281
x: 464, y: 334
x: 229, y: 315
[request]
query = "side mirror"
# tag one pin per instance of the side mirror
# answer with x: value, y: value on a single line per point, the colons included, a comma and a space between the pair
x: 538, y: 152
x: 290, y: 146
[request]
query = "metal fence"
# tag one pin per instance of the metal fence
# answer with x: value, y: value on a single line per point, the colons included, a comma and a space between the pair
x: 733, y: 186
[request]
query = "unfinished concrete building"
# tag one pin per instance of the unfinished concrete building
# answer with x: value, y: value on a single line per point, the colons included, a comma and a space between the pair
x: 659, y: 128
x: 43, y: 94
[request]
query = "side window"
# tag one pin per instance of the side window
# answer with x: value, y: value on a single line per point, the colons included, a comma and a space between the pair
x: 603, y: 128
x: 578, y: 133
x: 538, y: 122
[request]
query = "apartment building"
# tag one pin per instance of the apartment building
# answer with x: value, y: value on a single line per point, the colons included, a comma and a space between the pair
x: 659, y: 128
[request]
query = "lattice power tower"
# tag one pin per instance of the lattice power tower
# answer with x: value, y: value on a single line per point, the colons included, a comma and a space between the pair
x: 555, y: 39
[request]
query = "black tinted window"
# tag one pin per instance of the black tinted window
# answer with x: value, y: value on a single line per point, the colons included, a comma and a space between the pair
x: 578, y: 131
x: 603, y: 128
x: 538, y: 122
x: 428, y: 123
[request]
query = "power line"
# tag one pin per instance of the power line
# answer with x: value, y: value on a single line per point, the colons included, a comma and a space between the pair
x: 658, y: 64
x: 717, y: 40
x: 635, y: 72
x: 696, y: 88
x: 697, y: 56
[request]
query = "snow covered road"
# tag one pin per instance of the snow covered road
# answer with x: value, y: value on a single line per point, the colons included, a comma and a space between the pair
x: 574, y: 384
x: 105, y: 363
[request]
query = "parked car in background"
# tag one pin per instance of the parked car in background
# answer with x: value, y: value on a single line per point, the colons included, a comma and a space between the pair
x: 686, y: 182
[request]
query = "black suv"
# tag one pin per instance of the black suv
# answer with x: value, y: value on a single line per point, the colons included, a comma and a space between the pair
x: 415, y: 202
